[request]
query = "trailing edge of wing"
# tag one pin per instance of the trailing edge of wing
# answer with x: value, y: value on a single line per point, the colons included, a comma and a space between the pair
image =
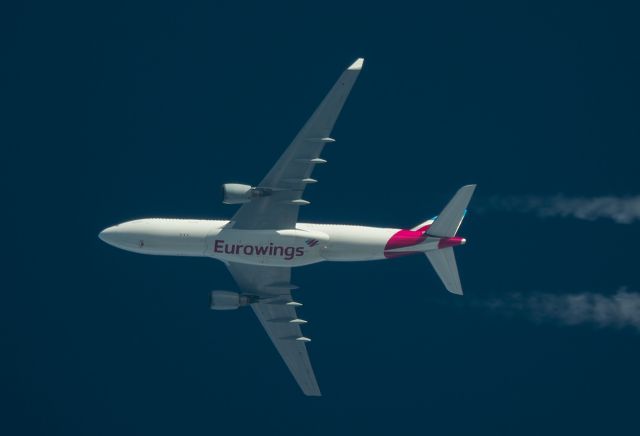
x: 277, y: 314
x: 288, y: 340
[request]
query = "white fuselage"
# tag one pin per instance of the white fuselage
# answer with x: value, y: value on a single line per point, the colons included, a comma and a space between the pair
x: 304, y: 245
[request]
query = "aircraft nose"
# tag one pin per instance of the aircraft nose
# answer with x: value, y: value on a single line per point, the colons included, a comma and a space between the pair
x: 124, y: 236
x: 108, y: 234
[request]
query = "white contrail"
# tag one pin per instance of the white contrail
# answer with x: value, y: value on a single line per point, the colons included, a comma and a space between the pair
x: 623, y: 210
x: 621, y: 309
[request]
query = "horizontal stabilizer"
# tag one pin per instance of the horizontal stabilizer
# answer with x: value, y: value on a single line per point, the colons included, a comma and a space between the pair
x: 444, y: 262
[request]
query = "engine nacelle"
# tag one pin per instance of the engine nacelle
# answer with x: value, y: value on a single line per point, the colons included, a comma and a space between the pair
x: 235, y: 193
x: 227, y: 300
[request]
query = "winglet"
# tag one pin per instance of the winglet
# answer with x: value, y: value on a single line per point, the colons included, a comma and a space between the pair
x: 357, y: 65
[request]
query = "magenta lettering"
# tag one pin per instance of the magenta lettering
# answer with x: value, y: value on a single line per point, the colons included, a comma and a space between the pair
x: 217, y: 247
x: 287, y: 252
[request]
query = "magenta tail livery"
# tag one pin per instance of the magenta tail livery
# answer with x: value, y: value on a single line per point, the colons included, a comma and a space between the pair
x: 264, y: 240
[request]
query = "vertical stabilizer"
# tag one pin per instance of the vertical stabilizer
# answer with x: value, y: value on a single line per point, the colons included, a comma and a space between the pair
x: 448, y: 221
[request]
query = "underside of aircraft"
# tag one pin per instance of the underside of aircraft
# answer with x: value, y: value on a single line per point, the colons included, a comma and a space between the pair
x: 263, y: 241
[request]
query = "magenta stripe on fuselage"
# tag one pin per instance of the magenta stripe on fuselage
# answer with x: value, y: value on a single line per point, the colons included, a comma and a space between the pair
x: 405, y: 238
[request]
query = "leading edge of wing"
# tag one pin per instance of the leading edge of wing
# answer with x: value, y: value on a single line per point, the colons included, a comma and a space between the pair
x: 287, y: 179
x: 311, y: 137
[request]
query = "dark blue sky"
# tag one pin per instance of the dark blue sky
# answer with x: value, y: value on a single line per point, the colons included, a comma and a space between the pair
x: 120, y: 111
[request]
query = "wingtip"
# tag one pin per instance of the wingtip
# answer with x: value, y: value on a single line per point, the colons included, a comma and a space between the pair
x: 455, y: 290
x: 357, y: 65
x: 471, y: 188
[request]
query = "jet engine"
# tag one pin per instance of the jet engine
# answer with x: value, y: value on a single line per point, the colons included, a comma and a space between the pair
x: 236, y: 193
x: 227, y: 300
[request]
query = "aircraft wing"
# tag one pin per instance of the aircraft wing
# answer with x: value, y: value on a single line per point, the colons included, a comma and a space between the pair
x: 287, y: 179
x: 278, y: 317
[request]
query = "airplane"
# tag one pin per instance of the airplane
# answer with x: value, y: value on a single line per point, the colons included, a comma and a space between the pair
x: 263, y: 241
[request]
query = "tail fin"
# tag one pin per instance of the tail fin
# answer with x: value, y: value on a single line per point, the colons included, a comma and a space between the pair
x: 446, y: 225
